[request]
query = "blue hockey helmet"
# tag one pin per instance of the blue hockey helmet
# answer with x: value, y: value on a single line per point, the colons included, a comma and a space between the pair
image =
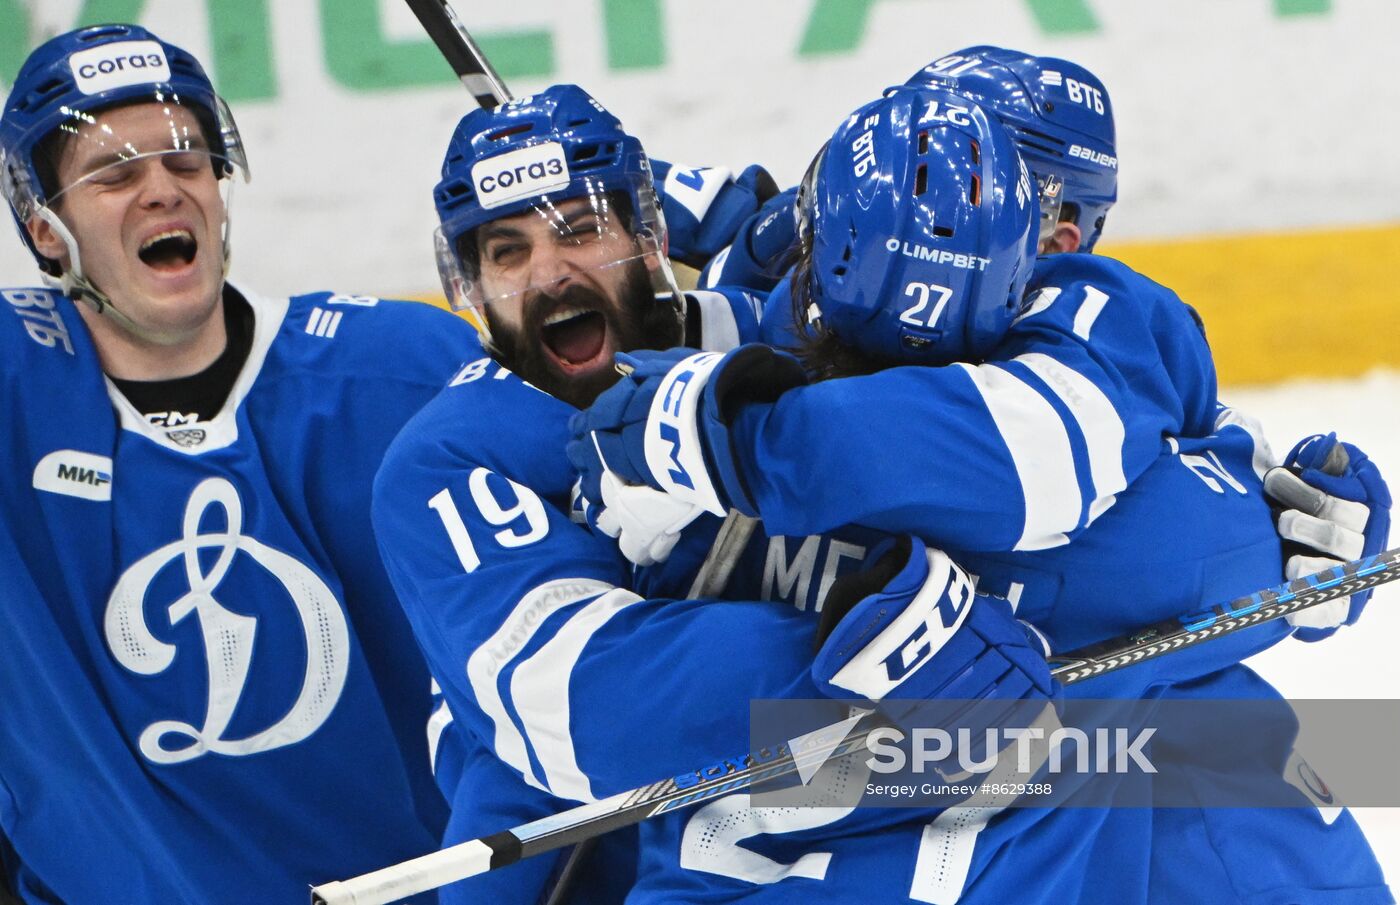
x: 918, y: 225
x: 1060, y: 116
x: 69, y: 79
x: 528, y: 155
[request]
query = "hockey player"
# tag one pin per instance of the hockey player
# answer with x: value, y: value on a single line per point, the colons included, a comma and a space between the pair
x: 577, y: 683
x: 210, y: 692
x: 1060, y: 117
x: 1081, y: 406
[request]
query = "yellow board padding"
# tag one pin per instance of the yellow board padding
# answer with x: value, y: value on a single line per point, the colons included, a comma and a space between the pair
x: 1319, y: 303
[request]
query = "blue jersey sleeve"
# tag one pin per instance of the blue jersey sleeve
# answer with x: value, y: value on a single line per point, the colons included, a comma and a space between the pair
x: 1021, y: 452
x: 525, y: 617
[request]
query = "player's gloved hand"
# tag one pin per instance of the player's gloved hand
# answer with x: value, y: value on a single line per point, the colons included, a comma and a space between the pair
x: 705, y: 207
x: 1332, y: 506
x: 759, y: 254
x: 646, y: 522
x: 665, y: 424
x: 912, y: 626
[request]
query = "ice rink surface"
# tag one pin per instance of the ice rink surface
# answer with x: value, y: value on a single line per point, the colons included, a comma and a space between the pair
x: 1360, y: 661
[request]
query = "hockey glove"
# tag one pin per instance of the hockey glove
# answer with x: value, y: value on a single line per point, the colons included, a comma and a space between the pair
x: 913, y: 626
x: 705, y: 208
x: 1332, y: 505
x: 759, y: 254
x: 666, y: 424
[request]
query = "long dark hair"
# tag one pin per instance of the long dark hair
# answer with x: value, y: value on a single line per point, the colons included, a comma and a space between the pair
x: 824, y: 354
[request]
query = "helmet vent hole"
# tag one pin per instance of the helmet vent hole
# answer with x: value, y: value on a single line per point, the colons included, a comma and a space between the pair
x: 975, y: 194
x: 575, y: 123
x: 846, y: 255
x: 923, y: 142
x: 839, y: 270
x: 921, y: 180
x: 509, y: 131
x: 944, y: 231
x: 975, y: 150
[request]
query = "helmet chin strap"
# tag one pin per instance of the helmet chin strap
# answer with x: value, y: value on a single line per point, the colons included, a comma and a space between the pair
x: 75, y: 284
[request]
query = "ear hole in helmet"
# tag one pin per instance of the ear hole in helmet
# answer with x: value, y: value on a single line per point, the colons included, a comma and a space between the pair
x: 509, y: 131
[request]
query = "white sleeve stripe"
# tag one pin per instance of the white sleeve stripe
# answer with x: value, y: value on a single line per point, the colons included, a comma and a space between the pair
x: 486, y: 663
x: 715, y: 269
x: 719, y: 332
x: 1089, y: 310
x: 436, y: 724
x: 540, y: 691
x: 1263, y: 458
x: 1098, y: 421
x: 1040, y: 449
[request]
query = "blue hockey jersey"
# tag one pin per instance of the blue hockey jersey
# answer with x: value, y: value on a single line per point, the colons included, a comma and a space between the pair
x: 1095, y: 420
x: 210, y: 692
x: 586, y: 689
x: 506, y: 593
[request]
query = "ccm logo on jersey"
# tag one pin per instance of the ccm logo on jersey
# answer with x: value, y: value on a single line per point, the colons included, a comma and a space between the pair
x: 76, y: 474
x: 117, y: 65
x: 520, y: 174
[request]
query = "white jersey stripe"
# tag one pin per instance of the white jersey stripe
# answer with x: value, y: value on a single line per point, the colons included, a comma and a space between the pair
x: 540, y: 692
x: 485, y: 664
x: 436, y: 724
x: 1040, y: 450
x: 1089, y: 310
x: 719, y: 332
x: 1098, y: 421
x: 1264, y: 457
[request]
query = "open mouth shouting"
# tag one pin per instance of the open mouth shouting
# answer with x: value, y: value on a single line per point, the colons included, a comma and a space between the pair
x: 575, y: 338
x: 170, y: 251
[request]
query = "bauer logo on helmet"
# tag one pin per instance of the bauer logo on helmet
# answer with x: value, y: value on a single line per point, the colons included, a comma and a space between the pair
x: 119, y: 64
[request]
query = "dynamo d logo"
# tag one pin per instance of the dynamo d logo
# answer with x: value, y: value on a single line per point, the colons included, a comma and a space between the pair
x: 228, y: 636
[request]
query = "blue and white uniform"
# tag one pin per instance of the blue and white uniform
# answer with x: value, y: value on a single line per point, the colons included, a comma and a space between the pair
x: 1095, y: 420
x: 210, y: 691
x: 522, y: 611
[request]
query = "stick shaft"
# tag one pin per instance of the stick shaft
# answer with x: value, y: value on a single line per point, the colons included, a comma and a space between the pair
x: 687, y: 789
x: 461, y: 52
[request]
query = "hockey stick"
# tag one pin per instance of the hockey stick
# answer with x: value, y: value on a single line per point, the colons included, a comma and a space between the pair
x: 488, y: 853
x: 461, y: 52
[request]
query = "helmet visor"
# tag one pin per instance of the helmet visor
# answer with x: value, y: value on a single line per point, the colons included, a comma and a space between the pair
x: 112, y: 147
x: 594, y: 238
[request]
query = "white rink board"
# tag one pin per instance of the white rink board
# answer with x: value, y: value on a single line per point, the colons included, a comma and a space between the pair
x: 1232, y: 116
